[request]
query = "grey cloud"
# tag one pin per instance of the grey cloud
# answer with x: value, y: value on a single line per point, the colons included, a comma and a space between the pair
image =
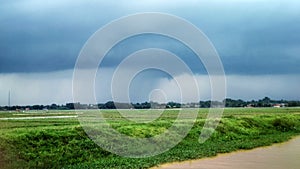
x: 258, y: 42
x: 252, y: 37
x: 56, y: 87
x: 36, y: 88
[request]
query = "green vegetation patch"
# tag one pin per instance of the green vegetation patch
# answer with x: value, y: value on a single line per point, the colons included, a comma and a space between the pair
x: 62, y: 143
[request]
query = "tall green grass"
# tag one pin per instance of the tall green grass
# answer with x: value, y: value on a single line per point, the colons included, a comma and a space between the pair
x: 62, y: 143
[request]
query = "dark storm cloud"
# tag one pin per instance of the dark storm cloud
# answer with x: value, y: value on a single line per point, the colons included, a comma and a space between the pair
x: 267, y: 50
x: 258, y: 42
x: 251, y: 37
x: 259, y: 45
x: 43, y: 37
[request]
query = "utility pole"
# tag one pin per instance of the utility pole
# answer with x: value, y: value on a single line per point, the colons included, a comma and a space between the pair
x: 9, y: 100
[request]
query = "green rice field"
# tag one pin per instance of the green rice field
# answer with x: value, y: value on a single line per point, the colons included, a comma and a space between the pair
x: 55, y: 139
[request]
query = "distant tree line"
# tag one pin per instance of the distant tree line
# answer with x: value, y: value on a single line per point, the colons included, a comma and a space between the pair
x: 265, y: 102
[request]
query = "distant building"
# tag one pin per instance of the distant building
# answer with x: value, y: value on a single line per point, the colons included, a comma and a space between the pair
x: 249, y: 106
x: 278, y: 105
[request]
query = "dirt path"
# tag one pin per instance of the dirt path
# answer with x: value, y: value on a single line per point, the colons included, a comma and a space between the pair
x: 278, y: 156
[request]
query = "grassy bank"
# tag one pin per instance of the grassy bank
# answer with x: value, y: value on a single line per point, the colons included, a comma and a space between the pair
x: 62, y: 143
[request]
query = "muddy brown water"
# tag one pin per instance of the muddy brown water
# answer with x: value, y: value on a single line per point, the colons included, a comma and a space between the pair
x: 278, y: 156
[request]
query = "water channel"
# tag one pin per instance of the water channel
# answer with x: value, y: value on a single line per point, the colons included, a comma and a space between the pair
x: 278, y: 156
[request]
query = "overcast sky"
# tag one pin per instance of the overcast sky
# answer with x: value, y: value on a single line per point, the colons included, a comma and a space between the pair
x: 258, y: 42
